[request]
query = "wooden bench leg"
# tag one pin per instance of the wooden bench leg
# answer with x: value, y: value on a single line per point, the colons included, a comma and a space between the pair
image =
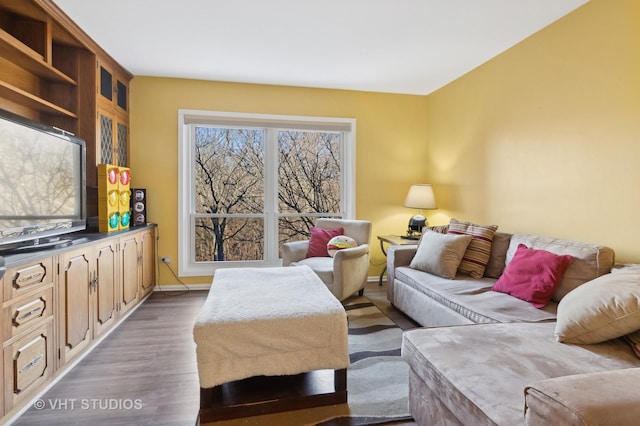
x: 210, y: 396
x: 340, y: 379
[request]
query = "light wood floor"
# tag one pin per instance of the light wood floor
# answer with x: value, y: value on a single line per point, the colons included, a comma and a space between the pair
x: 144, y: 372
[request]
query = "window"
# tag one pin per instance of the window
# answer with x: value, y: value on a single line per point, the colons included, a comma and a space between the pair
x: 250, y: 182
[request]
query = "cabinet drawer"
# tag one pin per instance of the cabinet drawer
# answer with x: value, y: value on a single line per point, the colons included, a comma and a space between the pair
x: 26, y: 312
x: 28, y: 363
x: 24, y: 278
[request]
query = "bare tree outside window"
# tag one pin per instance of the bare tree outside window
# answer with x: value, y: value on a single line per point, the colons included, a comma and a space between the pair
x: 230, y: 188
x: 229, y: 178
x: 308, y: 180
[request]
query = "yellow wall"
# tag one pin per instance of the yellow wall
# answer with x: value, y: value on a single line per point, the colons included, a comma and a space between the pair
x: 545, y: 138
x: 541, y: 139
x: 390, y: 132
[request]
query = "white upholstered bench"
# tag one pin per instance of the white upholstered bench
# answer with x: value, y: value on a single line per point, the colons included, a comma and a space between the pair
x: 264, y: 322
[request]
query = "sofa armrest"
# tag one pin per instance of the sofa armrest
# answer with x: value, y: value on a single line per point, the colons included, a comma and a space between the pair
x: 294, y: 251
x: 397, y: 256
x: 604, y: 398
x: 350, y: 267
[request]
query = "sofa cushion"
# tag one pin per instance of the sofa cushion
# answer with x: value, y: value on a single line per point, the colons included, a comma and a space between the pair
x: 633, y: 339
x: 440, y: 254
x: 602, y: 309
x: 322, y: 266
x: 589, y: 260
x: 498, y: 257
x: 533, y: 275
x: 476, y: 256
x: 319, y: 239
x: 480, y: 371
x: 472, y: 298
x: 602, y: 398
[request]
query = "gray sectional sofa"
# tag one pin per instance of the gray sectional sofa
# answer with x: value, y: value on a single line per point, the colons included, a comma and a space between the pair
x: 484, y: 357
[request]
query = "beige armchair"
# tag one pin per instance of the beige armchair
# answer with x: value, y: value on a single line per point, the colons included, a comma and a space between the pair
x: 345, y: 273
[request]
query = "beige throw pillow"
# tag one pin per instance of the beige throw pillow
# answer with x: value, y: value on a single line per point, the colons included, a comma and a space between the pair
x: 440, y: 254
x: 601, y: 309
x: 633, y: 340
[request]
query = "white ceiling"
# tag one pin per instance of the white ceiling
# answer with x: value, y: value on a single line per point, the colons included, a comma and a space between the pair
x: 397, y: 46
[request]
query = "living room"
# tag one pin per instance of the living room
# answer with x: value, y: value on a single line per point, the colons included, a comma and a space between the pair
x: 541, y: 139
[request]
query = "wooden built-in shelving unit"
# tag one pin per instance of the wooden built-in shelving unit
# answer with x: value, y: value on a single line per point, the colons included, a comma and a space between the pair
x: 54, y: 307
x: 53, y: 73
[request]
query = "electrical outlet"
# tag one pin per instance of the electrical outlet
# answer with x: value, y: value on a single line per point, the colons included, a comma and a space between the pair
x: 165, y: 259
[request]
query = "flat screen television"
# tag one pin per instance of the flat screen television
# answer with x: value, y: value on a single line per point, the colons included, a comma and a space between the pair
x: 42, y: 185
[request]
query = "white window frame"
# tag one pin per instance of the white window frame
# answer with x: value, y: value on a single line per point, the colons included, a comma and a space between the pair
x: 188, y: 118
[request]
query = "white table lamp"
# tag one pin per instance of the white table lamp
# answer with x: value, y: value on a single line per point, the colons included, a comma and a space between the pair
x: 420, y: 197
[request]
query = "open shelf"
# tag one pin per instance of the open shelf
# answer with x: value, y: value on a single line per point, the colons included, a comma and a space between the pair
x: 24, y: 57
x: 22, y: 97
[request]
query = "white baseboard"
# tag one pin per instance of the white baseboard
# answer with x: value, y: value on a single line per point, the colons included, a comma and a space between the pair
x: 181, y: 287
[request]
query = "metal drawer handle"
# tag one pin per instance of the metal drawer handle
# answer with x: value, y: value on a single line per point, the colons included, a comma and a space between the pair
x: 31, y: 312
x: 30, y: 276
x: 31, y: 363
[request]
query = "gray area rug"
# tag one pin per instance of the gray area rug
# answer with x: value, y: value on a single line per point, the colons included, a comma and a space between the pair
x: 377, y: 379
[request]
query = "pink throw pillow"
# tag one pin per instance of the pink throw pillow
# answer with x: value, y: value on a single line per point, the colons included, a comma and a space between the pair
x: 319, y: 239
x: 532, y: 275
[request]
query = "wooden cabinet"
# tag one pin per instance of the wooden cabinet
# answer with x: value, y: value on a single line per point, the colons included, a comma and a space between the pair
x: 139, y: 267
x: 27, y: 326
x: 75, y: 319
x: 87, y: 294
x: 113, y: 116
x: 53, y: 73
x: 57, y: 305
x: 105, y: 286
x: 130, y: 258
x: 28, y: 364
x: 148, y: 261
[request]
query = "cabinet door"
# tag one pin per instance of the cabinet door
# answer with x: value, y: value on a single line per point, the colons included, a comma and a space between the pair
x: 130, y: 274
x: 104, y: 290
x: 112, y: 88
x: 76, y: 319
x: 148, y: 264
x: 113, y: 135
x: 113, y: 117
x: 28, y: 364
x: 105, y: 137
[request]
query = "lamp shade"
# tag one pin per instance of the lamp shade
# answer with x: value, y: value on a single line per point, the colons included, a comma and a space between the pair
x: 420, y: 196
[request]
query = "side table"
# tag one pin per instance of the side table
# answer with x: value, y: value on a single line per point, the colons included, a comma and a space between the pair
x: 393, y: 240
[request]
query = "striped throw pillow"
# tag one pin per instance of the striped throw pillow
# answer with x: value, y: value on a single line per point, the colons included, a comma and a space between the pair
x: 476, y: 257
x: 440, y: 229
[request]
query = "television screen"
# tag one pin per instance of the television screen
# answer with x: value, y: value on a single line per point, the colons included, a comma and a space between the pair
x: 42, y: 181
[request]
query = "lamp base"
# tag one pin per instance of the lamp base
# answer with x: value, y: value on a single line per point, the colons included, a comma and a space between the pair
x: 414, y: 229
x: 416, y: 223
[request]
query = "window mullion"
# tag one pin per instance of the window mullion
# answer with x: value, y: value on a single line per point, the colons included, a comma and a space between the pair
x: 271, y: 196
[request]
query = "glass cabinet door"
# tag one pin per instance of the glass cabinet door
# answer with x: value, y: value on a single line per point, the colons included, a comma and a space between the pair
x: 113, y: 124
